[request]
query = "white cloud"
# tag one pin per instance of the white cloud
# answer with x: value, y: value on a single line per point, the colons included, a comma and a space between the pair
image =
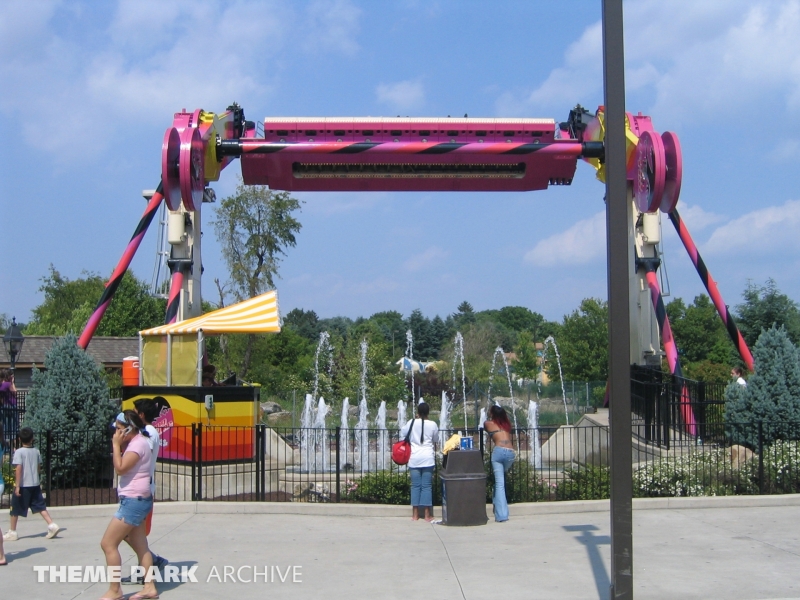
x: 151, y: 59
x: 333, y: 26
x: 430, y: 257
x: 403, y: 95
x: 695, y: 217
x: 689, y: 58
x: 785, y: 151
x: 578, y: 79
x: 583, y: 243
x: 761, y: 232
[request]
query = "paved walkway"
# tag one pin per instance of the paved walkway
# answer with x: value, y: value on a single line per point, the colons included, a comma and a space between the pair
x: 732, y: 548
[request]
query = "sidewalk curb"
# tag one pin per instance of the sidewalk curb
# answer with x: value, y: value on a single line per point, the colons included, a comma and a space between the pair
x: 106, y: 511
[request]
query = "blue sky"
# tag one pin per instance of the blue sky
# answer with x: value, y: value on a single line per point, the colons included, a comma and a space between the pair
x: 88, y: 89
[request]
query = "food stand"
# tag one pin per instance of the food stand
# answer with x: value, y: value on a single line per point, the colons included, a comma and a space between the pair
x: 171, y: 359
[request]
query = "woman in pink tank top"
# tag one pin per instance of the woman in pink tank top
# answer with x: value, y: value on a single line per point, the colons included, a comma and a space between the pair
x: 132, y: 457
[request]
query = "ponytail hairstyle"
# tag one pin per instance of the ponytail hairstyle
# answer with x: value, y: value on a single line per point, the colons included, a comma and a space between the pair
x: 423, y: 410
x: 132, y: 421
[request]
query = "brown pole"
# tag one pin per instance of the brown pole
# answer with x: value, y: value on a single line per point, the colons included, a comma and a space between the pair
x: 619, y: 265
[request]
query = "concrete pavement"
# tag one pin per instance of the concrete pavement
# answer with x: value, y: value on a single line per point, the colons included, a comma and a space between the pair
x: 740, y: 548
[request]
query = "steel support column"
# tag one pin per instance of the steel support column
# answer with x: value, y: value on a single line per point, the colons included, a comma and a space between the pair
x: 620, y: 263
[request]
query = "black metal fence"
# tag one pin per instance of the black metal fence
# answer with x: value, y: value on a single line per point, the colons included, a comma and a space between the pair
x: 353, y: 465
x: 669, y: 410
x: 11, y: 419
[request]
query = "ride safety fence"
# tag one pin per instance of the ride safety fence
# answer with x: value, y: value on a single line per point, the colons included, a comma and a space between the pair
x: 267, y: 464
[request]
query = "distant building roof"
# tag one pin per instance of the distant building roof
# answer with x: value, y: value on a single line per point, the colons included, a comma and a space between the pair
x: 107, y: 351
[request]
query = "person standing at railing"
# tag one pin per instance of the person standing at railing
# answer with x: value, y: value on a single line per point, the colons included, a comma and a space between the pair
x: 147, y: 409
x: 738, y: 374
x: 132, y: 457
x: 27, y: 491
x: 424, y: 437
x: 498, y: 428
x: 8, y: 408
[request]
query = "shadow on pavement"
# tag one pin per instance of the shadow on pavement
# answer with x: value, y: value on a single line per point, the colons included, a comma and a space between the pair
x: 593, y: 542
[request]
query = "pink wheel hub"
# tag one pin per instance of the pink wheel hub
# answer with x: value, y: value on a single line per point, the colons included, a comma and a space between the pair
x: 191, y: 166
x: 170, y: 173
x: 674, y: 175
x: 651, y: 170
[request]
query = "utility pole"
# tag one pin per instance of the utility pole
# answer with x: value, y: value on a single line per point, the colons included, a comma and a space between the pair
x: 618, y: 216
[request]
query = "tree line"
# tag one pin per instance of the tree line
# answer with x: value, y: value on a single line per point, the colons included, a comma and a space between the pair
x: 256, y: 227
x: 285, y: 362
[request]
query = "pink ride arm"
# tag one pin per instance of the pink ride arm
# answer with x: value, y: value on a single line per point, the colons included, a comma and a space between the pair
x: 711, y: 287
x: 122, y: 266
x: 173, y: 302
x: 670, y: 348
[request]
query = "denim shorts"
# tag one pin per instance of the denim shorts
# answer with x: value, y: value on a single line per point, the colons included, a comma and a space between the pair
x: 133, y: 511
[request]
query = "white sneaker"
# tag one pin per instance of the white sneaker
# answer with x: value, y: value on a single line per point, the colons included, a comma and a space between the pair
x: 52, y: 530
x: 10, y: 536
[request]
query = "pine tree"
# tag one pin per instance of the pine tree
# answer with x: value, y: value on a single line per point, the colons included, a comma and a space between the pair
x: 70, y: 399
x: 772, y: 394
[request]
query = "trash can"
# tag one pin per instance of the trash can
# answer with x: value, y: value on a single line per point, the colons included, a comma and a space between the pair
x: 464, y: 489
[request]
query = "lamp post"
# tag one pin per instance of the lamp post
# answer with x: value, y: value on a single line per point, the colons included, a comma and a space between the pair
x: 13, y: 340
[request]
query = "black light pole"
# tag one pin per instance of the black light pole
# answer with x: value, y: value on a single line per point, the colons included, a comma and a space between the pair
x: 13, y: 340
x: 619, y: 268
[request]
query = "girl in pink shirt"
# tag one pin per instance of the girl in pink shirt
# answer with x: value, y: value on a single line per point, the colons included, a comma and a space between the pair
x: 132, y: 458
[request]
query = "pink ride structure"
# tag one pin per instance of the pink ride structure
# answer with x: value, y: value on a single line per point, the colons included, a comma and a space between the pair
x: 422, y: 154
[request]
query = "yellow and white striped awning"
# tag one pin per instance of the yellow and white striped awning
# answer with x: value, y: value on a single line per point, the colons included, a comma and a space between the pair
x: 256, y: 315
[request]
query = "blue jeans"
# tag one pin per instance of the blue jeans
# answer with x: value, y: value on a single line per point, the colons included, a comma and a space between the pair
x: 422, y: 486
x: 502, y: 459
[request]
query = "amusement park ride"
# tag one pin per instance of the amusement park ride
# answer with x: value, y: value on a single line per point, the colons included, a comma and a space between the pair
x: 421, y: 154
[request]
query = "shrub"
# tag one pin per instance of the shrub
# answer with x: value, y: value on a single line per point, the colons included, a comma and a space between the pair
x: 696, y: 474
x: 380, y: 487
x: 781, y: 469
x: 524, y: 485
x: 585, y: 483
x: 9, y: 476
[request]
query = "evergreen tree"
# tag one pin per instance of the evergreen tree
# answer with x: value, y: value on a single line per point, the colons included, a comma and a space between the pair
x: 70, y: 398
x: 424, y: 344
x: 772, y: 394
x: 465, y: 315
x: 439, y: 334
x: 71, y: 393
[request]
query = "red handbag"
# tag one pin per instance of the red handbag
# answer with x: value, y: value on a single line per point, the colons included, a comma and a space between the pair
x: 401, y: 451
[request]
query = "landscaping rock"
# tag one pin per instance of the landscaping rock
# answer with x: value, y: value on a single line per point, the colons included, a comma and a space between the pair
x: 278, y: 416
x: 740, y: 455
x: 271, y: 407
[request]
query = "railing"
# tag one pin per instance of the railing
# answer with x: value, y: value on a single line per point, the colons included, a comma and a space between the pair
x: 264, y: 464
x: 660, y: 402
